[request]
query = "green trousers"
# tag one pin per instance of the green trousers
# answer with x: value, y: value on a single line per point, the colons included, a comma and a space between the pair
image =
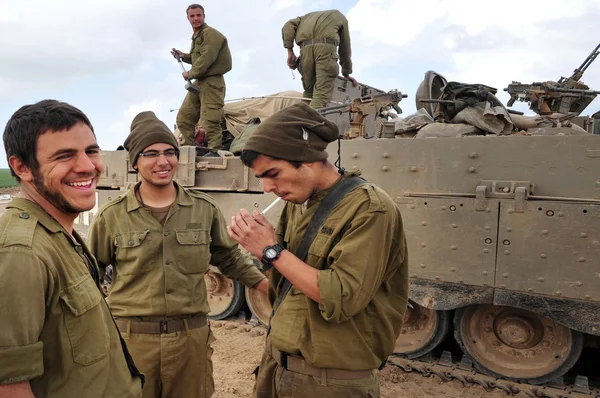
x: 319, y: 68
x: 204, y: 109
x: 273, y: 381
x: 176, y: 365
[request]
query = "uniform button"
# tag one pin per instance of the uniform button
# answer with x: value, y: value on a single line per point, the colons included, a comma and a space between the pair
x: 166, y: 234
x: 169, y: 291
x: 24, y: 216
x: 130, y: 243
x: 168, y: 262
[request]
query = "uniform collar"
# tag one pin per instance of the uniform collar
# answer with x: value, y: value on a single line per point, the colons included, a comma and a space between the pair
x: 194, y: 35
x: 318, y: 196
x: 31, y: 209
x: 183, y: 199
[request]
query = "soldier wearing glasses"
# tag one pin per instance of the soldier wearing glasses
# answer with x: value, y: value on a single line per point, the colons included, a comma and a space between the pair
x: 160, y: 239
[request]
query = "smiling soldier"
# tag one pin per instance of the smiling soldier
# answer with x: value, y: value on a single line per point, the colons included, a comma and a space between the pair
x: 160, y: 238
x: 57, y: 337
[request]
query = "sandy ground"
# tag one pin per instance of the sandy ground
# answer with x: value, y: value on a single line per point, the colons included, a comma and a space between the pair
x: 239, y: 347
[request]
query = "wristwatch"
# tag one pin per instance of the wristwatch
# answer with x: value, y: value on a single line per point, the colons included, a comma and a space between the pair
x: 270, y: 254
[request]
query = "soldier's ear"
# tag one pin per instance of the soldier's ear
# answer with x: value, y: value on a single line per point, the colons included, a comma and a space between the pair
x: 22, y: 171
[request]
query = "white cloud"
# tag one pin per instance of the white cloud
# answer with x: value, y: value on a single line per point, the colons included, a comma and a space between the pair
x: 111, y: 58
x: 476, y: 42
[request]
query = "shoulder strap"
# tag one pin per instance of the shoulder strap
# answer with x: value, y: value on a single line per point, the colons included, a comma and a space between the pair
x: 317, y: 220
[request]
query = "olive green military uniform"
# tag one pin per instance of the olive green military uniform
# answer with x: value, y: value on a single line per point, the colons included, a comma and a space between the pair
x: 56, y: 330
x: 159, y: 275
x: 211, y: 59
x: 361, y: 254
x: 320, y: 35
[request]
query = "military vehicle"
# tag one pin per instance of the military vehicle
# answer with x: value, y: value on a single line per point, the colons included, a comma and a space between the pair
x: 501, y: 218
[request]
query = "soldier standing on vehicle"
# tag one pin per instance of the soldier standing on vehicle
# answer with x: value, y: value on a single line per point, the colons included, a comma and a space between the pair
x: 319, y: 35
x: 160, y: 239
x: 57, y: 336
x: 339, y: 296
x: 210, y: 59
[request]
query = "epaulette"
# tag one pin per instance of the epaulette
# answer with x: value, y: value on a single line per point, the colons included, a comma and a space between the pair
x: 201, y: 195
x: 376, y: 202
x: 112, y: 202
x: 19, y: 230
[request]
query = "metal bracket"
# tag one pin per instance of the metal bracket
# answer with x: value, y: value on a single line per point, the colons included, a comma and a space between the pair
x: 517, y: 190
x: 480, y: 198
x: 205, y: 165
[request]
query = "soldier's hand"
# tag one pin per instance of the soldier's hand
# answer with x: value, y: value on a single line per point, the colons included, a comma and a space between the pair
x: 175, y: 51
x: 291, y: 61
x: 186, y: 75
x: 353, y: 80
x: 253, y: 232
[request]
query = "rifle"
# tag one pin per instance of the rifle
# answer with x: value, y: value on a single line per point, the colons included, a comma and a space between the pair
x: 364, y: 106
x: 567, y: 96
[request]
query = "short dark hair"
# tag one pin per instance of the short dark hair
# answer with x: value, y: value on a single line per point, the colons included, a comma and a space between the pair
x: 248, y: 157
x: 30, y: 121
x: 193, y: 6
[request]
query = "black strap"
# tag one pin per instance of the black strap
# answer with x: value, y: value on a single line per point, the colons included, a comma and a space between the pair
x: 323, y: 211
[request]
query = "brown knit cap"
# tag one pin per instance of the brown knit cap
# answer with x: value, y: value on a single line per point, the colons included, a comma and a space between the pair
x: 297, y: 133
x: 147, y: 130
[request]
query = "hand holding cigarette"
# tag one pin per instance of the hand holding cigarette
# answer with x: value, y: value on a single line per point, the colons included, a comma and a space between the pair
x: 252, y: 231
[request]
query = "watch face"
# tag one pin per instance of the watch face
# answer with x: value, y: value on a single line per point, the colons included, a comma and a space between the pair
x: 270, y: 253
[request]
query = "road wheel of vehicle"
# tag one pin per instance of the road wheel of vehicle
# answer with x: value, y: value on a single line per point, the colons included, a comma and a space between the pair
x: 225, y: 296
x: 422, y: 330
x: 259, y: 305
x: 516, y: 344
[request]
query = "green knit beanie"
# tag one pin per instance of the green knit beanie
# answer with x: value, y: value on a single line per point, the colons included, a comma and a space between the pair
x: 297, y: 133
x: 146, y: 130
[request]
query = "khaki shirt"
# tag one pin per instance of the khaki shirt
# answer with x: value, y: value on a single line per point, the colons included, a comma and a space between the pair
x: 361, y: 254
x: 159, y: 270
x: 330, y: 24
x: 209, y: 55
x: 55, y: 328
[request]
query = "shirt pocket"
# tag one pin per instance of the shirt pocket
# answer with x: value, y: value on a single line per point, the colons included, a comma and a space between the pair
x: 192, y: 255
x: 132, y: 252
x: 85, y: 322
x: 318, y: 251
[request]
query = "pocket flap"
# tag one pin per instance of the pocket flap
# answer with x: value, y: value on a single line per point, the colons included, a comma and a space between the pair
x: 82, y: 296
x: 192, y: 237
x: 131, y: 239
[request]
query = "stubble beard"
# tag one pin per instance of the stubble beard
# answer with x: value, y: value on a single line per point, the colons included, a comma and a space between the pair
x: 56, y: 199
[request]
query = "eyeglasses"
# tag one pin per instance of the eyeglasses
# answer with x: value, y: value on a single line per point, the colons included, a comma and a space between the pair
x: 169, y: 153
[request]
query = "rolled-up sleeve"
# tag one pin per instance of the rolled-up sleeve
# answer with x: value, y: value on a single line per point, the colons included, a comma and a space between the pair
x: 227, y: 256
x: 358, y: 266
x: 24, y: 285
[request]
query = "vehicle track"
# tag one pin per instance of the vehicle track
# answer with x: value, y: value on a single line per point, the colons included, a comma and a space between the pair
x: 446, y: 367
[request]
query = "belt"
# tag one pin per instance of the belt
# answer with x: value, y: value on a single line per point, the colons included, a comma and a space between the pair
x: 297, y: 364
x: 318, y: 41
x: 160, y: 327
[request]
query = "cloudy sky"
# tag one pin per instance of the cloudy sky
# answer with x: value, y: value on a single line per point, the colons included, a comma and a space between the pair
x: 111, y: 58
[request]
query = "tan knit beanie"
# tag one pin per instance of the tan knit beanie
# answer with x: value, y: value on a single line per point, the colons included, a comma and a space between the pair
x: 146, y: 130
x: 297, y: 133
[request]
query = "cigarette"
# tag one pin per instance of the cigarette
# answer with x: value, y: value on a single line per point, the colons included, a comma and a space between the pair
x: 269, y: 207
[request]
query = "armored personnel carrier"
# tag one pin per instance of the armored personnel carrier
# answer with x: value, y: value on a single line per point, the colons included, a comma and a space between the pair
x: 501, y: 215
